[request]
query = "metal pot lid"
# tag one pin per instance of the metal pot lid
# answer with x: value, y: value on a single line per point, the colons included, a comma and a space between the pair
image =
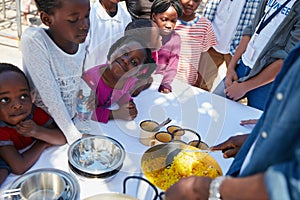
x: 111, y: 196
x: 72, y: 186
x: 96, y: 155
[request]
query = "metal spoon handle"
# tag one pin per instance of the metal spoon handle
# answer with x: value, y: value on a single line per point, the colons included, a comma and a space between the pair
x: 162, y: 124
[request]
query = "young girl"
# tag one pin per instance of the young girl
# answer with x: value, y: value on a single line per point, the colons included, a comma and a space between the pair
x: 112, y: 82
x: 197, y: 36
x: 165, y: 14
x: 22, y: 124
x: 149, y: 32
x: 53, y: 59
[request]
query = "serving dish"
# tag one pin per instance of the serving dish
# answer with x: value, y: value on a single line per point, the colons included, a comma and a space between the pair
x: 98, y: 157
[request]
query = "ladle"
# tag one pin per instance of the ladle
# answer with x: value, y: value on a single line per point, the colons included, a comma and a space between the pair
x: 168, y: 120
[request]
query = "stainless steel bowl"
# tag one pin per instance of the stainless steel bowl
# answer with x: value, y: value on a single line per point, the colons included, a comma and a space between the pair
x: 44, y: 185
x: 96, y: 157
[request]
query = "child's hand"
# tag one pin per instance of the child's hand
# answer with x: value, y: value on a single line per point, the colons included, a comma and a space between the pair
x: 27, y: 128
x: 127, y: 111
x: 166, y: 88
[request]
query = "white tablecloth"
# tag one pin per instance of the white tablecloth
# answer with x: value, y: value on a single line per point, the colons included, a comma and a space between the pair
x: 213, y: 117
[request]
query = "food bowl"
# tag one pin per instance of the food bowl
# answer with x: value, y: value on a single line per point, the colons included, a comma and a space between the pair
x: 98, y: 157
x: 185, y: 163
x: 43, y: 185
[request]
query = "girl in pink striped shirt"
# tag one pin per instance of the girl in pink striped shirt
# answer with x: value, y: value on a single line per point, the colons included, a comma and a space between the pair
x: 197, y: 36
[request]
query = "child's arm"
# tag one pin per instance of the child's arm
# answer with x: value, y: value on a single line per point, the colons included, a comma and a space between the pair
x: 51, y: 134
x: 20, y: 163
x: 3, y: 175
x: 171, y: 68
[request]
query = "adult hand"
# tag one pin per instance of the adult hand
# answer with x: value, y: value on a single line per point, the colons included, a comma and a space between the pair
x: 231, y: 146
x: 193, y: 187
x: 236, y: 91
x: 231, y: 77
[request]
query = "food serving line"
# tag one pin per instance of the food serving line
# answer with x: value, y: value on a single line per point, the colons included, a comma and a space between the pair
x: 214, y: 118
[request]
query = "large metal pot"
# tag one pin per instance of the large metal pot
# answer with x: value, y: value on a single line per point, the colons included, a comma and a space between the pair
x: 96, y: 157
x: 44, y: 185
x: 185, y: 164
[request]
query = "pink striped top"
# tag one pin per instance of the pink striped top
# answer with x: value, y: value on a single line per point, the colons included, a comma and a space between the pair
x: 196, y: 36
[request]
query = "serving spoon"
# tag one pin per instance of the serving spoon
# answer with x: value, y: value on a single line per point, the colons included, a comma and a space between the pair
x: 168, y: 120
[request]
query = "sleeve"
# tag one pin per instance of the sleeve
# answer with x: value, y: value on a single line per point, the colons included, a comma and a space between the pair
x: 282, y: 181
x: 210, y: 39
x: 41, y: 117
x: 37, y: 65
x: 171, y: 69
x: 249, y: 30
x: 101, y: 114
x: 92, y: 77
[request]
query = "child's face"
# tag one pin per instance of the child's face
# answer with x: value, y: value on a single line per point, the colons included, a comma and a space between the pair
x: 15, y: 100
x: 190, y: 6
x: 71, y: 22
x: 166, y: 21
x: 127, y: 59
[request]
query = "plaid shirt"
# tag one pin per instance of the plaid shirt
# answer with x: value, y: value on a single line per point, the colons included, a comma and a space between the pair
x: 247, y: 15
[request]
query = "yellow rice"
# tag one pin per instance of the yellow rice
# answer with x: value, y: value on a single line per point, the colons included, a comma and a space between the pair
x: 185, y: 164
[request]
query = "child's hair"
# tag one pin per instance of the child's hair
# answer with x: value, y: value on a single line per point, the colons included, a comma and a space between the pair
x: 149, y: 62
x: 160, y: 6
x: 6, y: 67
x: 48, y: 5
x: 141, y: 28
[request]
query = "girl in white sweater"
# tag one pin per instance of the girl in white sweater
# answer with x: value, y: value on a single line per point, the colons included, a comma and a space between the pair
x: 53, y: 59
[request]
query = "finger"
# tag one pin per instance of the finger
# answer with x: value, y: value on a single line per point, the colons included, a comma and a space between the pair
x: 220, y: 147
x: 249, y: 121
x: 230, y: 153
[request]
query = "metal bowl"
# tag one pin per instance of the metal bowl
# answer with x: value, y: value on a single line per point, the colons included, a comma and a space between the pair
x: 44, y: 185
x: 159, y: 173
x: 96, y: 157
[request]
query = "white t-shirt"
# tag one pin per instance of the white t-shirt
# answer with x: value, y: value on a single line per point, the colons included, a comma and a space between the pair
x: 259, y: 41
x: 225, y: 23
x: 56, y: 76
x: 104, y: 31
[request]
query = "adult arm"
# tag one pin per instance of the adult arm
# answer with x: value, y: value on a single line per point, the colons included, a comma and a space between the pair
x: 231, y: 75
x: 238, y: 89
x: 194, y: 187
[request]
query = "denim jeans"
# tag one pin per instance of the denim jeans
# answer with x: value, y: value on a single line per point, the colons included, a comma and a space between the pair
x: 257, y: 97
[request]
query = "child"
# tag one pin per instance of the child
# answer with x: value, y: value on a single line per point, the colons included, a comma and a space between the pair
x: 108, y: 22
x: 112, y: 82
x: 22, y: 124
x: 197, y: 36
x: 53, y: 59
x: 165, y: 14
x: 149, y: 32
